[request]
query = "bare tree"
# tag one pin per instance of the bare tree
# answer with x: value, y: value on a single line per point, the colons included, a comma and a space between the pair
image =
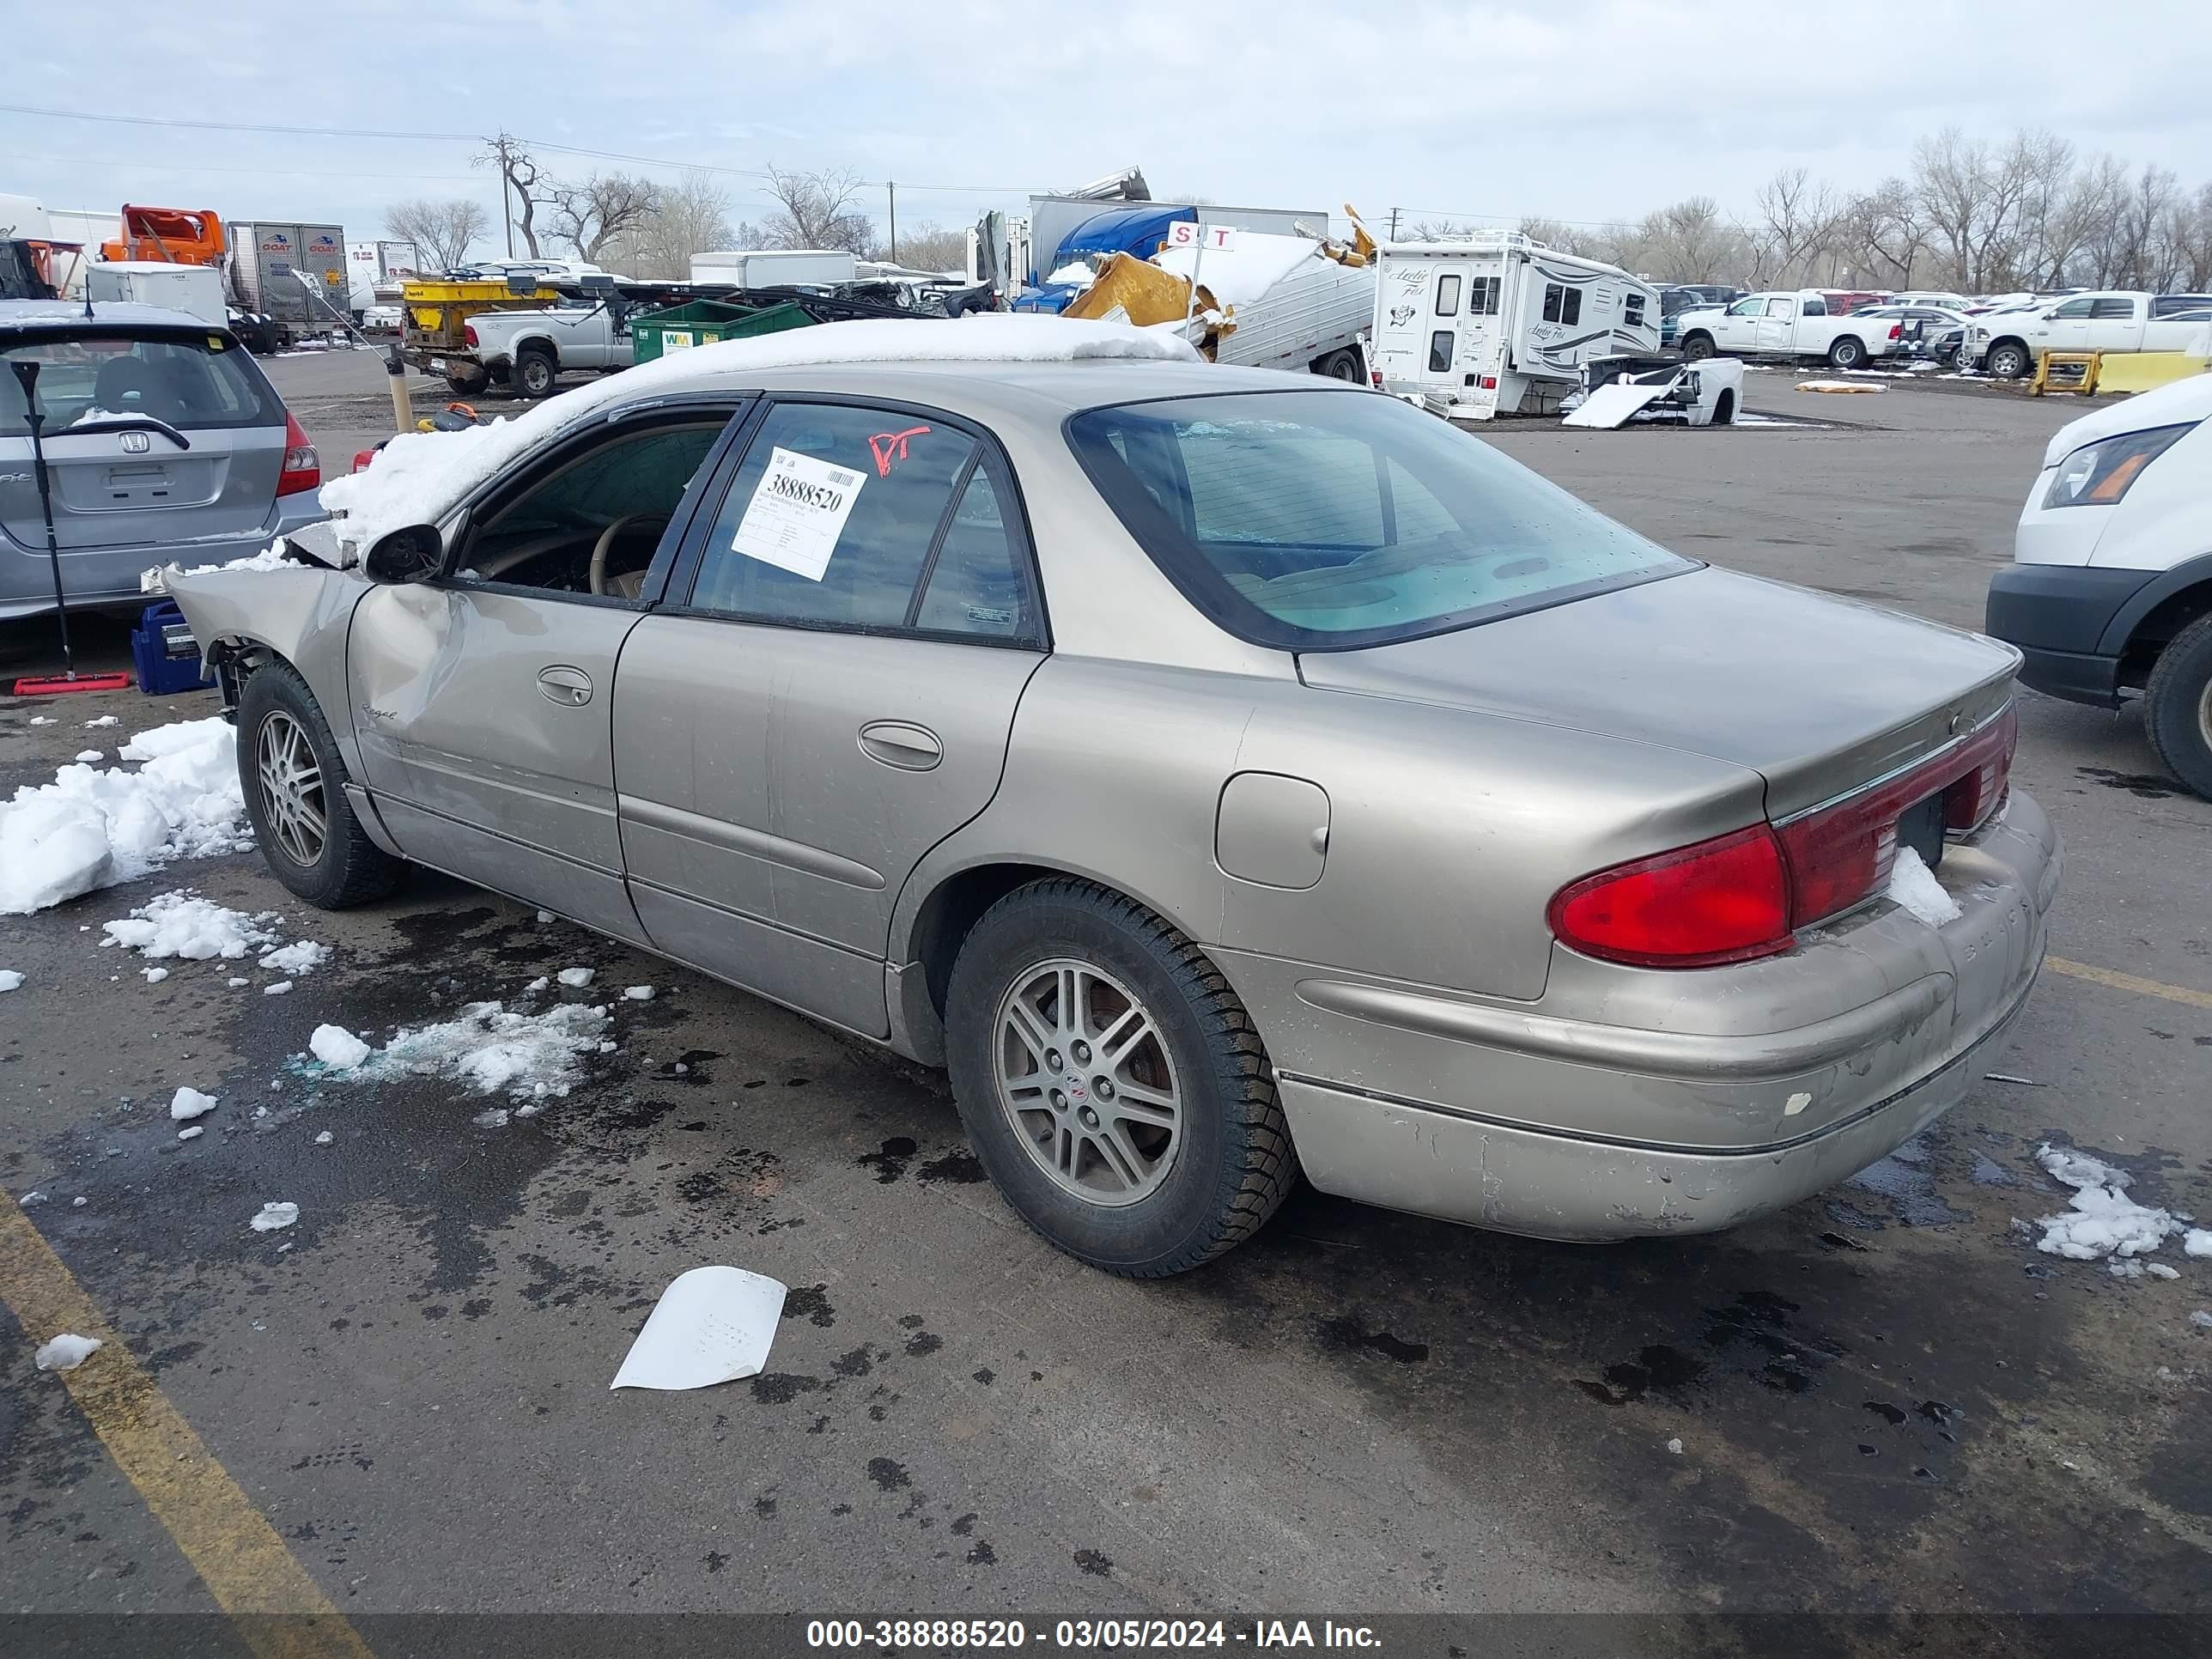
x: 1568, y: 239
x: 1796, y: 219
x: 1883, y: 231
x: 589, y: 216
x: 928, y: 247
x: 521, y: 180
x: 442, y: 230
x: 689, y: 217
x: 817, y: 210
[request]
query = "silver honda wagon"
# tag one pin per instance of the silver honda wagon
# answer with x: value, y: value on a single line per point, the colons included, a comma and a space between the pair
x: 1225, y: 775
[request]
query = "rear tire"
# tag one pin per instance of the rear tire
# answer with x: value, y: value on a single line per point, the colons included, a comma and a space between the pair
x: 2177, y: 706
x: 466, y: 386
x: 1698, y: 348
x: 536, y: 375
x: 1846, y: 351
x: 1340, y: 366
x: 1724, y: 408
x: 306, y: 828
x: 1140, y: 1196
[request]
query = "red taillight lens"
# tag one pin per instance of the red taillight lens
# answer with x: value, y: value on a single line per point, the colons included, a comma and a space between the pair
x: 1975, y: 796
x: 1724, y: 900
x: 469, y: 333
x: 1896, y: 330
x: 362, y: 458
x: 1375, y: 375
x: 303, y: 468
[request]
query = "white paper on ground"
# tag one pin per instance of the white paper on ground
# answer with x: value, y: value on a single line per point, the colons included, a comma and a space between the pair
x: 711, y: 1325
x: 797, y: 513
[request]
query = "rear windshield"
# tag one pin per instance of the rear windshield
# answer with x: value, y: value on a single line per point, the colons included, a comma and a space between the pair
x: 1324, y: 521
x: 194, y: 382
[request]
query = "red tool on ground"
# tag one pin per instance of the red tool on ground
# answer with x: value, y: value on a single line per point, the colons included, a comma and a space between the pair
x: 68, y: 679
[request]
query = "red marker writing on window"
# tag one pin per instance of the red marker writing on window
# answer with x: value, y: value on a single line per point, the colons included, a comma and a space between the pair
x: 890, y: 447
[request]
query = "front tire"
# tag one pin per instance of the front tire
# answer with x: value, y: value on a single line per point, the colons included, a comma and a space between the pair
x: 2008, y: 361
x: 294, y: 777
x: 1112, y: 1084
x: 2177, y: 706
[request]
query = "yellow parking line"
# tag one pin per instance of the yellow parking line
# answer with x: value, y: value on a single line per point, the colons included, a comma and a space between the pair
x: 2119, y: 981
x: 279, y: 1610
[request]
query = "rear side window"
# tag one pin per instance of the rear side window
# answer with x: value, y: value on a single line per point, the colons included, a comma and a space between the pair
x: 195, y: 382
x: 1314, y: 520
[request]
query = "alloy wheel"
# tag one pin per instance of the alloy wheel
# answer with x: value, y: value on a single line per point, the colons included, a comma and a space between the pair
x: 1085, y: 1076
x: 292, y: 789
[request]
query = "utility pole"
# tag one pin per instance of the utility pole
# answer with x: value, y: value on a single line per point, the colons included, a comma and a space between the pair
x: 1393, y: 224
x: 506, y: 212
x: 890, y: 188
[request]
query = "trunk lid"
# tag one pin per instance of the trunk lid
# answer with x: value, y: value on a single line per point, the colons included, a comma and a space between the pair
x: 1818, y: 694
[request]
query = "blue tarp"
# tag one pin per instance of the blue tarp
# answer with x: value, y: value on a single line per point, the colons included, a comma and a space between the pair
x: 1137, y: 227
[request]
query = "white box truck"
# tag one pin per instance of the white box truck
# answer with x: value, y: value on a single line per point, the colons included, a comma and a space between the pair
x: 196, y: 290
x: 1498, y: 325
x: 795, y: 267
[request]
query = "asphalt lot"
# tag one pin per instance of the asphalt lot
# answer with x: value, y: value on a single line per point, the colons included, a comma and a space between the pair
x: 1889, y: 1406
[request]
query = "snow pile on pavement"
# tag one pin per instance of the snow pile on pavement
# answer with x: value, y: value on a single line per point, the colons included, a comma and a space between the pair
x: 190, y: 1103
x: 66, y: 1352
x: 92, y: 826
x: 10, y: 979
x: 577, y: 977
x: 1839, y: 385
x: 2100, y: 1219
x: 338, y: 1048
x: 2197, y: 1241
x: 300, y: 956
x: 418, y: 475
x: 1913, y: 885
x: 490, y: 1048
x: 273, y: 1215
x: 183, y: 924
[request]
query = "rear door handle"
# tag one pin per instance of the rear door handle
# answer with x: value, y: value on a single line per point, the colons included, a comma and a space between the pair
x: 898, y: 743
x: 569, y: 687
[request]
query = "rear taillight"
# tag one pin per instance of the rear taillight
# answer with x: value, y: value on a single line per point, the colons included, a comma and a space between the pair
x: 303, y: 468
x: 1724, y: 900
x: 1896, y: 330
x: 1375, y: 375
x: 362, y: 458
x: 1743, y: 895
x: 469, y: 333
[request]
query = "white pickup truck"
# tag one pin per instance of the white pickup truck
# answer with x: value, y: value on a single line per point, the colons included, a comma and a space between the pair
x: 1789, y: 323
x: 528, y: 351
x: 2007, y: 343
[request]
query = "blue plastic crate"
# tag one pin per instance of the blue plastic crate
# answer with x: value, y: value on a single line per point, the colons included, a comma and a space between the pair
x: 160, y: 629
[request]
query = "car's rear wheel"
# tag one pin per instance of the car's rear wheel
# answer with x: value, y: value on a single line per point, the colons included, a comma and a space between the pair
x: 535, y: 372
x: 1724, y: 408
x: 1111, y: 1083
x: 1847, y: 351
x: 465, y: 386
x: 1340, y: 366
x: 294, y: 778
x: 2177, y: 706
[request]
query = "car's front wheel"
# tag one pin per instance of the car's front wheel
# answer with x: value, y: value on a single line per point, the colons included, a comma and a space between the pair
x: 1111, y: 1083
x: 294, y: 777
x: 2177, y: 706
x: 2008, y: 361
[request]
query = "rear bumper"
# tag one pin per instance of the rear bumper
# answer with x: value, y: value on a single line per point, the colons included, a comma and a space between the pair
x: 1516, y: 1118
x: 107, y: 578
x: 2059, y: 616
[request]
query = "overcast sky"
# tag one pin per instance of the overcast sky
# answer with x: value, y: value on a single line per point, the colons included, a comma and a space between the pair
x: 1500, y: 108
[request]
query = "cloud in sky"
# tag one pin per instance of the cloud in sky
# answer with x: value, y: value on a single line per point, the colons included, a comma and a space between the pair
x: 1473, y: 107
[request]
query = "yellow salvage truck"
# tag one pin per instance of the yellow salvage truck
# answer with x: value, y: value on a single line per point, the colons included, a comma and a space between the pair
x: 433, y: 325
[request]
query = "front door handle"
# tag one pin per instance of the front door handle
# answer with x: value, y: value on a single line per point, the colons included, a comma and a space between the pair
x: 898, y: 743
x: 569, y: 687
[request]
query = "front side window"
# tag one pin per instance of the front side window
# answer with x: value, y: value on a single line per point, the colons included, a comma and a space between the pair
x: 2072, y: 310
x: 1448, y: 296
x: 1310, y: 520
x: 196, y: 382
x: 864, y: 518
x: 1746, y: 308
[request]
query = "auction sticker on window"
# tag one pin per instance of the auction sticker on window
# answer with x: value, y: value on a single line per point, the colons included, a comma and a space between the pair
x: 797, y: 514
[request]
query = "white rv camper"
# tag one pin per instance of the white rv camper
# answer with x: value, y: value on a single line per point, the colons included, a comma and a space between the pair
x: 1498, y: 324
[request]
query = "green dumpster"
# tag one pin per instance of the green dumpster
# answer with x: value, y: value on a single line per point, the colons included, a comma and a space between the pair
x: 698, y: 322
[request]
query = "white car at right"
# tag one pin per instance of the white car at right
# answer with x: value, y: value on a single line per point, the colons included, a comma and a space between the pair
x: 2109, y: 595
x: 2008, y: 344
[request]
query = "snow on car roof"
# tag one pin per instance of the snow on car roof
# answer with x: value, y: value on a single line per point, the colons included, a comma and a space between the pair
x: 116, y: 314
x: 419, y: 476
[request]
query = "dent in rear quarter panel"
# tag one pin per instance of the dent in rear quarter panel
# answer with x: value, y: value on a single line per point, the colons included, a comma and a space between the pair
x: 300, y: 612
x: 1450, y: 830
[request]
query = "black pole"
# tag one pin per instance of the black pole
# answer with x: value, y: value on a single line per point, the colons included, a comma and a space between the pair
x: 27, y: 373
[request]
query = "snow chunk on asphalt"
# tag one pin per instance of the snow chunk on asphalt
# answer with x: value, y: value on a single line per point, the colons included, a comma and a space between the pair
x: 66, y: 1352
x: 1913, y: 885
x: 324, y: 1138
x: 2101, y: 1219
x: 191, y: 1132
x: 418, y: 475
x: 106, y: 719
x: 2197, y: 1241
x: 91, y: 754
x: 189, y: 1102
x: 581, y: 976
x: 639, y: 993
x: 93, y: 827
x: 491, y: 1048
x: 274, y: 1215
x: 183, y: 924
x: 279, y: 988
x: 338, y: 1048
x: 300, y: 956
x: 10, y: 979
x: 153, y: 975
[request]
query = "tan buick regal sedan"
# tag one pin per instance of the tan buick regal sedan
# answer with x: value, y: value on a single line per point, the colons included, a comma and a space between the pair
x: 1225, y: 774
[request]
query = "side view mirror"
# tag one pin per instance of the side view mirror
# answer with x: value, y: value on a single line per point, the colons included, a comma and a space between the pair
x: 413, y: 553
